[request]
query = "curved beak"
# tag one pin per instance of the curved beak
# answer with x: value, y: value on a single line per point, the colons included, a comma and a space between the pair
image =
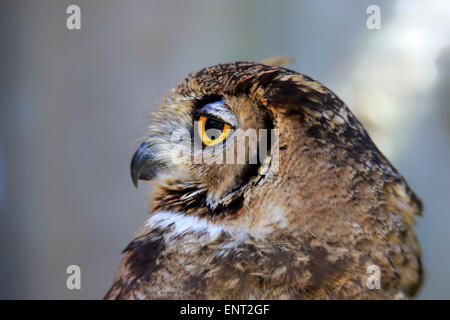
x: 144, y: 165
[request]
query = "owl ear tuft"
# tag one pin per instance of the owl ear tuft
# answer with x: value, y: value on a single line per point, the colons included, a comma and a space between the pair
x: 279, y: 61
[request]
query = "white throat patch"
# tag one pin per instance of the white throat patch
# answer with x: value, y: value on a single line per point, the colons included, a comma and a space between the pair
x: 182, y: 223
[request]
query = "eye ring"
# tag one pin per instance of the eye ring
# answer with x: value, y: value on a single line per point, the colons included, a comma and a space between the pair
x: 203, y: 127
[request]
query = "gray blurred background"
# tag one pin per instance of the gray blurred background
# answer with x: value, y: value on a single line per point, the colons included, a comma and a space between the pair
x: 74, y: 103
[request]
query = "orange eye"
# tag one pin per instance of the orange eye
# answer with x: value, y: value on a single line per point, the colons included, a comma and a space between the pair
x: 212, y: 131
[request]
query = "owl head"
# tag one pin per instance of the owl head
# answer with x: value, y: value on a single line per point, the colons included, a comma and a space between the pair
x: 245, y: 138
x: 266, y: 186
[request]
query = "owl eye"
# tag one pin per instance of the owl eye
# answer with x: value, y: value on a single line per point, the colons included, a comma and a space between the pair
x: 212, y: 131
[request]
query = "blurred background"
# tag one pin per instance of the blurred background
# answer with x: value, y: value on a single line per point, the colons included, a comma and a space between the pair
x: 74, y: 103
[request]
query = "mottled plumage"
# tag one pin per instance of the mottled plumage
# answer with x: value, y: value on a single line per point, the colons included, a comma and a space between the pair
x: 307, y: 229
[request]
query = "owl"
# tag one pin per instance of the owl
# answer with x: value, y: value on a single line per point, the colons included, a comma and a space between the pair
x: 266, y: 186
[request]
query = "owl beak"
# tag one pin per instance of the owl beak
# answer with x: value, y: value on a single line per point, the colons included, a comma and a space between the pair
x: 144, y: 166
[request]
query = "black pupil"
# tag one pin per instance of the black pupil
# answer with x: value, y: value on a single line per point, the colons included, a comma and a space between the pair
x: 213, y: 128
